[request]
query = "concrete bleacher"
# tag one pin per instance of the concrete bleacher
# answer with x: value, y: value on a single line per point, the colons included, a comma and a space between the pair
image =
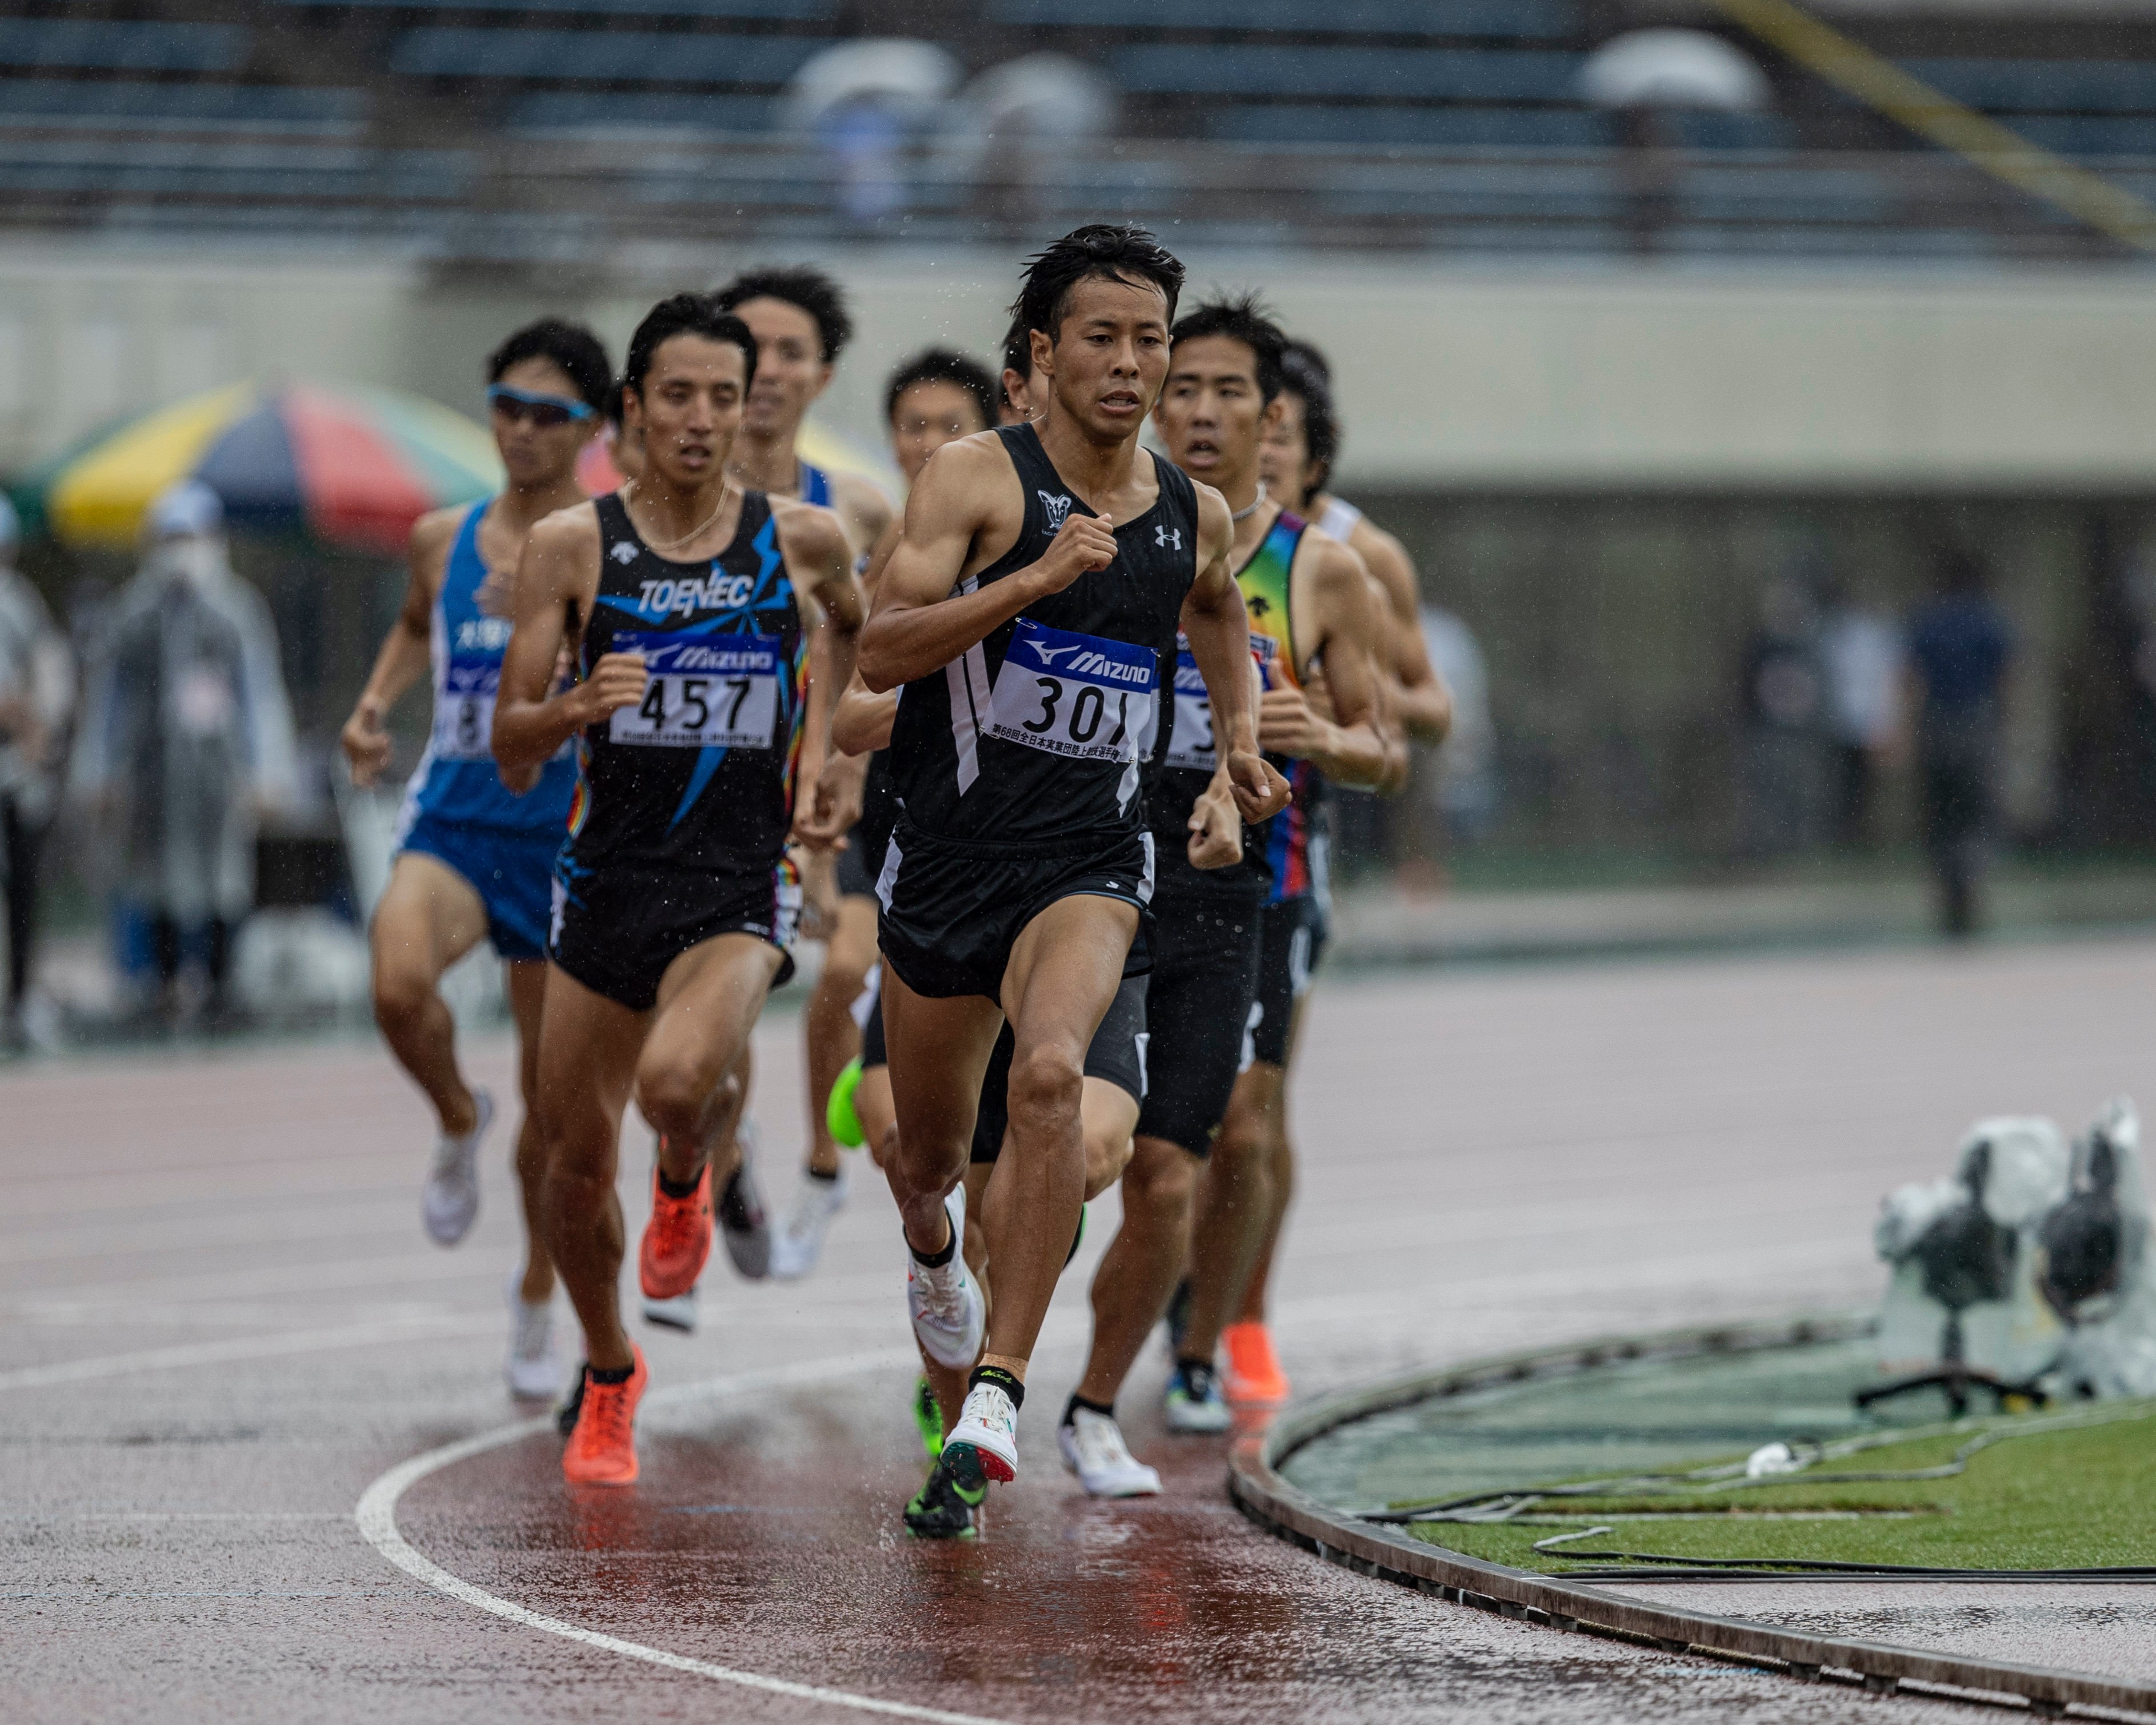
x: 117, y: 45
x: 600, y: 56
x: 1495, y: 19
x: 734, y: 11
x: 115, y: 105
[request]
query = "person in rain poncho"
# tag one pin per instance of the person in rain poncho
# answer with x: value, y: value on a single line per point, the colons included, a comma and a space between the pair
x: 187, y: 735
x: 37, y: 697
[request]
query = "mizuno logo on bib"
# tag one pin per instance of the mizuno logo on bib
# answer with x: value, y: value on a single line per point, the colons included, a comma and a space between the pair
x: 705, y: 691
x: 1080, y: 696
x: 464, y: 709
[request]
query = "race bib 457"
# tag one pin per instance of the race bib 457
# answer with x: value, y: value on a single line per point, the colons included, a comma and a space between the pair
x: 705, y: 691
x: 1080, y: 696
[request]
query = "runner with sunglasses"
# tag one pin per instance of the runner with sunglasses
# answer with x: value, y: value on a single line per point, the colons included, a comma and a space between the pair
x: 474, y: 860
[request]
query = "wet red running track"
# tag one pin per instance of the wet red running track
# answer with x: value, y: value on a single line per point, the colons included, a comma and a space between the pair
x: 221, y: 1328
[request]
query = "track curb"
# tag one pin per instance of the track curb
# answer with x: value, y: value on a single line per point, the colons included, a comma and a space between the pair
x: 1371, y: 1548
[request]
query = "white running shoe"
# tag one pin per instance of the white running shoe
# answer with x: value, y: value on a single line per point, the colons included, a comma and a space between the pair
x: 1093, y: 1449
x: 678, y: 1313
x: 799, y: 1241
x: 450, y: 1201
x: 743, y: 1221
x: 535, y: 1372
x: 1193, y: 1404
x: 945, y: 1303
x: 988, y: 1425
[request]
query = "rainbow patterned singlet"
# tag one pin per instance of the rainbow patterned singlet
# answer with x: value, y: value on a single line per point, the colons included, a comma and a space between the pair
x: 1268, y: 595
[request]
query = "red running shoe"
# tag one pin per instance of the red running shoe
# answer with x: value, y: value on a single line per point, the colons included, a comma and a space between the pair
x: 602, y: 1447
x: 1254, y: 1378
x: 677, y: 1240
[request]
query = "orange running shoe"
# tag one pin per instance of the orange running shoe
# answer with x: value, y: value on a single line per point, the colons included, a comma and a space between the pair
x: 1254, y: 1378
x: 677, y: 1240
x: 602, y: 1446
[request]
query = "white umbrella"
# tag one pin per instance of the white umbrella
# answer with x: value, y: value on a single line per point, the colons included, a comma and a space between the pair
x: 1673, y: 68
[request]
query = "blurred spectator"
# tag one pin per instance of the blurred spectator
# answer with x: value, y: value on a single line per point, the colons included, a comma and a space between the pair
x: 186, y: 739
x: 37, y: 698
x: 1460, y: 774
x: 1785, y: 697
x: 1959, y: 648
x: 1862, y: 653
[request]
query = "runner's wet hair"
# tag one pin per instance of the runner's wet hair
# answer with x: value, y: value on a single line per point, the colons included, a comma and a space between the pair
x: 1114, y: 251
x: 570, y: 346
x: 1241, y: 317
x: 685, y: 314
x: 801, y: 285
x: 940, y: 365
x: 1305, y: 377
x: 610, y: 408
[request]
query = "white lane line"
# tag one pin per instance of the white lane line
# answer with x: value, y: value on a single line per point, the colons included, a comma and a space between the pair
x: 212, y: 1353
x: 377, y: 1517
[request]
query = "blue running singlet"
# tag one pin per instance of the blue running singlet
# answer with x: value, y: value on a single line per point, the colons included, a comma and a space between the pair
x: 455, y: 779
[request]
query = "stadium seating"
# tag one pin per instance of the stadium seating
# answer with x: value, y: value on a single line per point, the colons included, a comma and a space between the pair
x: 327, y: 172
x: 740, y: 11
x: 1366, y: 74
x: 1499, y: 19
x: 109, y: 105
x: 560, y: 113
x: 601, y: 56
x: 2044, y: 86
x: 114, y: 45
x: 1372, y: 127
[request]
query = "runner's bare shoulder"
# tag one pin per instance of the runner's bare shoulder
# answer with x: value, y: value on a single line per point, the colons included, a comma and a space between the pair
x: 432, y: 536
x: 810, y: 532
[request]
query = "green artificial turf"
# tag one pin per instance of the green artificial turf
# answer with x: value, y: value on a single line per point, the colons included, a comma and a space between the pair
x: 2069, y: 1499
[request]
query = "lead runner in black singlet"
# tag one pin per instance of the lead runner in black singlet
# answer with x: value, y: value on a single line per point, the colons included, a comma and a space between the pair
x: 1029, y: 610
x: 691, y: 602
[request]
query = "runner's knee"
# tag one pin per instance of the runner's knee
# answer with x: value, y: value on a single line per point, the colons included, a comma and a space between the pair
x: 1047, y: 1086
x: 1160, y: 1186
x: 674, y: 1096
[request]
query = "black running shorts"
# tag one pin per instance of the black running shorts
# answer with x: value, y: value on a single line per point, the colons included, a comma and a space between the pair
x: 616, y: 930
x: 1206, y: 947
x: 952, y: 911
x: 1294, y: 942
x: 856, y: 878
x: 1117, y: 1053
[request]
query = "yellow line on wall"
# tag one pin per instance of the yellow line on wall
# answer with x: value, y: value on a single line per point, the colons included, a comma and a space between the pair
x: 2004, y: 154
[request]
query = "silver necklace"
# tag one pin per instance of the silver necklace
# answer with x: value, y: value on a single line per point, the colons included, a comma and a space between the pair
x: 1256, y: 503
x: 663, y: 546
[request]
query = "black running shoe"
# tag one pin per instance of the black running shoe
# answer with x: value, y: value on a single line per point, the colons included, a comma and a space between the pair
x: 565, y: 1416
x: 1179, y: 1318
x: 949, y: 1506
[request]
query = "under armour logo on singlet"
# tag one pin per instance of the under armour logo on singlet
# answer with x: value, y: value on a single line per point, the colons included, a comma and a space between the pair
x: 624, y: 551
x: 1172, y: 537
x: 1057, y: 507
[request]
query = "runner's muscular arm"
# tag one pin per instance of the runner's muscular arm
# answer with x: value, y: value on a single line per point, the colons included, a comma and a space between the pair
x: 1346, y: 746
x: 966, y: 492
x: 402, y: 659
x: 865, y: 511
x: 862, y: 722
x: 821, y: 563
x: 560, y: 568
x: 1218, y: 630
x: 1424, y: 704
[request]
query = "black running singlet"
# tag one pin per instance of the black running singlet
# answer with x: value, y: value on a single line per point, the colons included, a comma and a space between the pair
x: 1179, y: 772
x: 1033, y: 737
x: 700, y: 773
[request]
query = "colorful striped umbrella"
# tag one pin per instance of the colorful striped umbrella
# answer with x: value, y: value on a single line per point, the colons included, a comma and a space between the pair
x: 354, y: 467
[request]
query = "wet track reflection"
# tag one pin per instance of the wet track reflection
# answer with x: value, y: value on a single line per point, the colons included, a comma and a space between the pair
x: 219, y: 1324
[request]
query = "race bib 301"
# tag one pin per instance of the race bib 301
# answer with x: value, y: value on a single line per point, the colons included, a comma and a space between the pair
x: 1080, y: 696
x: 705, y: 691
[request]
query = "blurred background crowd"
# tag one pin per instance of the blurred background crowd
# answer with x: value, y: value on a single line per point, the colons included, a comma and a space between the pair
x: 1763, y: 393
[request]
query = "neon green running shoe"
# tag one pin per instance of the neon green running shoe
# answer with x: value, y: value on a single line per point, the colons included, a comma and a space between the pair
x: 949, y: 1506
x: 838, y: 1114
x: 929, y: 1418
